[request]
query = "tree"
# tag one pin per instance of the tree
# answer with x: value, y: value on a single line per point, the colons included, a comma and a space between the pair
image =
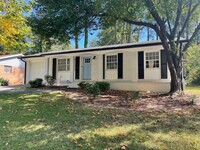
x: 169, y: 19
x: 13, y: 28
x: 66, y: 20
x: 120, y: 33
x: 193, y: 64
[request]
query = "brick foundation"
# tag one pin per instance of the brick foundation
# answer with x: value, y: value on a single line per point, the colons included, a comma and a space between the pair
x: 14, y: 78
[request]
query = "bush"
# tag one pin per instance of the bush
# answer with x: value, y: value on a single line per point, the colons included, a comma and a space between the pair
x: 92, y: 89
x: 135, y: 94
x: 50, y: 80
x: 83, y: 85
x: 103, y: 86
x: 3, y: 82
x: 36, y: 83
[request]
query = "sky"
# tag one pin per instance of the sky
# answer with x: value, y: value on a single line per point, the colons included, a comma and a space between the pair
x: 91, y: 37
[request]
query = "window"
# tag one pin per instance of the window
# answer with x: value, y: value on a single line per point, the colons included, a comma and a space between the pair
x: 68, y: 64
x: 152, y: 60
x: 8, y: 69
x: 61, y: 64
x: 112, y: 62
x: 87, y: 60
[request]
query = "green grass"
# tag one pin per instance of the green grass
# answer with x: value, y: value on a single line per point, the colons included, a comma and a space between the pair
x: 50, y: 121
x: 193, y: 90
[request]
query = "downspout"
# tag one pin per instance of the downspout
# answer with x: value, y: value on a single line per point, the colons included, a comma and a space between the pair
x: 24, y: 70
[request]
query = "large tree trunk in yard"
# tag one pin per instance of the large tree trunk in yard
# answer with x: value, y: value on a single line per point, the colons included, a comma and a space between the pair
x: 175, y: 68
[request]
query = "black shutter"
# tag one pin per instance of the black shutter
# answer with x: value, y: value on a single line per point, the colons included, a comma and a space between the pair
x: 103, y: 66
x: 163, y: 64
x: 141, y: 65
x: 54, y: 68
x: 120, y: 65
x: 77, y: 68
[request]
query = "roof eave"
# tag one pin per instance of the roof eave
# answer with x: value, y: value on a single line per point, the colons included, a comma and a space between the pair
x: 114, y: 47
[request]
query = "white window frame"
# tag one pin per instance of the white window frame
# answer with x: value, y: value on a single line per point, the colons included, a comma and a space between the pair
x: 64, y: 65
x: 7, y: 69
x: 152, y: 60
x: 111, y: 62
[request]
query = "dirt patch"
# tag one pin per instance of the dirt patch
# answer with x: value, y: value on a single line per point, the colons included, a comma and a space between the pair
x: 150, y: 102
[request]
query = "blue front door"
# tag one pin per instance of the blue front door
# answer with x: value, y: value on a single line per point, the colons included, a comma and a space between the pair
x: 87, y: 68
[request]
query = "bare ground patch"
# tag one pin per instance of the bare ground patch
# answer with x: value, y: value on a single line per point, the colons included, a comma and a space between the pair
x: 181, y: 103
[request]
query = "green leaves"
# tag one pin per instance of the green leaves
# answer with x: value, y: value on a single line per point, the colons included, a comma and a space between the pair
x: 13, y: 27
x: 193, y: 64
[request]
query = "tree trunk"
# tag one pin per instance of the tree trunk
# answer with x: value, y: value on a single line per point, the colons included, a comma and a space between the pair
x: 129, y: 33
x: 41, y: 44
x: 175, y: 68
x: 86, y: 29
x: 122, y: 35
x: 115, y: 33
x: 76, y: 41
x: 86, y: 37
x: 48, y: 45
x: 148, y: 34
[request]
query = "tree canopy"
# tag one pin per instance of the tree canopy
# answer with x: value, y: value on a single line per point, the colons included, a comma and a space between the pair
x: 193, y: 64
x: 13, y: 28
x: 66, y: 20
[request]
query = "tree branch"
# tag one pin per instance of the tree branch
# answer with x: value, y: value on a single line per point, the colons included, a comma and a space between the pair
x: 190, y: 11
x: 139, y: 23
x: 168, y: 21
x: 179, y: 11
x: 192, y: 38
x: 150, y: 5
x: 154, y: 12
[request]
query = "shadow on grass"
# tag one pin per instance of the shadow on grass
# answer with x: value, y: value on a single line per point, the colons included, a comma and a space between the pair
x: 51, y: 121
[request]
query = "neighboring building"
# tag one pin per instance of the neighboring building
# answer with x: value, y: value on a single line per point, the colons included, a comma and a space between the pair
x: 12, y: 69
x: 136, y: 66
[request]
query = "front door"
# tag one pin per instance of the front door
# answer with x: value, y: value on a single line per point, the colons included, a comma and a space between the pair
x: 87, y: 68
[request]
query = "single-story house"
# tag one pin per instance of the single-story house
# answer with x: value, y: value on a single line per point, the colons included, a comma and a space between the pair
x: 12, y: 69
x: 135, y: 66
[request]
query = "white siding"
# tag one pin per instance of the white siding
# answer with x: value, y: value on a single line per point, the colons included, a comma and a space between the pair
x: 13, y: 62
x: 37, y: 67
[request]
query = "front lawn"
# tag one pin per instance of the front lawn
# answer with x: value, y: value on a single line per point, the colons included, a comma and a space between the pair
x: 51, y: 121
x: 193, y: 90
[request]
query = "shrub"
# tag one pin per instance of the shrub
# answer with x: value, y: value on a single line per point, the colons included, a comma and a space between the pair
x: 92, y: 89
x: 103, y: 86
x: 135, y: 94
x: 3, y: 82
x: 83, y: 85
x: 36, y: 83
x: 49, y: 79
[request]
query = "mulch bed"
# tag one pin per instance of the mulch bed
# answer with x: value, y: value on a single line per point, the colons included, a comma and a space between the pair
x: 148, y: 102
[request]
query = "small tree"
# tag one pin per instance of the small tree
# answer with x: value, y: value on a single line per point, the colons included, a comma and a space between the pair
x: 49, y: 79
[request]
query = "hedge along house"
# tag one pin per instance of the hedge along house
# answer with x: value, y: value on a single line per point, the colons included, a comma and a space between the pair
x: 12, y: 69
x: 136, y: 66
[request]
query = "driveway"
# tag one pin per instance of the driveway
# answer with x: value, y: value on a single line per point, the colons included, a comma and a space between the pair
x: 23, y: 89
x: 17, y: 89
